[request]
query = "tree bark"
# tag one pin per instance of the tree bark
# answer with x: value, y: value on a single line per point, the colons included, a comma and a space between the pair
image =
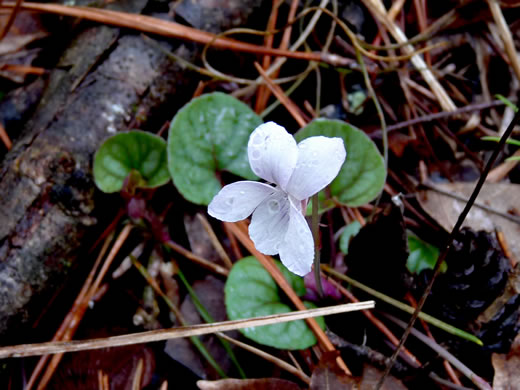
x: 47, y: 202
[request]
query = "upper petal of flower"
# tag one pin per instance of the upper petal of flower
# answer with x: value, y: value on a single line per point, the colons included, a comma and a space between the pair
x: 272, y: 153
x: 319, y: 161
x: 238, y: 200
x: 270, y: 222
x: 297, y: 248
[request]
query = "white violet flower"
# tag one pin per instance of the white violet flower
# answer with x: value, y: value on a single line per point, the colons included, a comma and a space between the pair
x: 298, y: 171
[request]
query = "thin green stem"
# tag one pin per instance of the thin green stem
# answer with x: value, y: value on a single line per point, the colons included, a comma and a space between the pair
x: 380, y: 114
x: 316, y: 236
x: 404, y: 307
x: 377, y: 105
x: 497, y: 139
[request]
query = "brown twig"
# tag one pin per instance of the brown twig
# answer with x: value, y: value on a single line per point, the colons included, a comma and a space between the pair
x: 72, y: 316
x: 197, y: 259
x: 284, y: 44
x: 497, y: 174
x: 505, y: 35
x: 447, y: 366
x: 5, y: 138
x: 270, y: 358
x: 261, y: 92
x: 438, y: 115
x: 12, y: 16
x: 174, y: 30
x: 80, y: 306
x: 378, y: 10
x: 373, y: 319
x: 214, y: 240
x: 477, y: 380
x: 284, y: 99
x: 167, y: 334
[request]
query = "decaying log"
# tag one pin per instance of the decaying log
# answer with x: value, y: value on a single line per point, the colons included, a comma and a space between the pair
x: 46, y: 190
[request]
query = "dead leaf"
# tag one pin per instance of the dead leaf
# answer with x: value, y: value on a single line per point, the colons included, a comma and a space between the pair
x: 15, y: 55
x: 248, y: 384
x: 199, y: 240
x: 502, y: 197
x: 387, y: 258
x: 507, y: 368
x: 211, y: 294
x: 15, y: 43
x: 80, y: 370
x: 328, y: 376
x: 371, y: 376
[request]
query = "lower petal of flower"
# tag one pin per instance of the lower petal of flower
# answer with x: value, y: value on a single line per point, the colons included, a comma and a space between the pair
x: 270, y: 222
x: 297, y: 248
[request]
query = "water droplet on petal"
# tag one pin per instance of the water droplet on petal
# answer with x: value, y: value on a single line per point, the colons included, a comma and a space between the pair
x: 256, y: 154
x: 276, y: 247
x: 230, y: 201
x: 314, y: 163
x: 302, y: 248
x: 258, y: 139
x: 314, y: 154
x: 242, y: 192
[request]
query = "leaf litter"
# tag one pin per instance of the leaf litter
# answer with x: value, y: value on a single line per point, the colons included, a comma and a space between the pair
x: 468, y: 71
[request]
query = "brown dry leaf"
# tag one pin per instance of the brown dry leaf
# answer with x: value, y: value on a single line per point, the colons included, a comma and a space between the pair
x: 502, y: 197
x: 80, y: 370
x: 328, y: 376
x: 14, y: 50
x: 211, y: 294
x: 398, y: 142
x: 248, y: 384
x: 507, y: 368
x: 15, y: 43
x: 199, y: 240
x: 371, y: 377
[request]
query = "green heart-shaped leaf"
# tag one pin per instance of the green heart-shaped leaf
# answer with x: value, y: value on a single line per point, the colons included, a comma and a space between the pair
x: 422, y: 255
x: 209, y: 135
x: 135, y: 150
x: 348, y: 233
x: 363, y: 174
x: 252, y: 292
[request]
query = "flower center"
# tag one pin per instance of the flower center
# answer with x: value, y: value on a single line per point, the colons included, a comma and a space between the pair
x: 273, y: 206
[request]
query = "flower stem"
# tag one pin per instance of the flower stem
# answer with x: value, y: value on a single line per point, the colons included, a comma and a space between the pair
x: 316, y: 236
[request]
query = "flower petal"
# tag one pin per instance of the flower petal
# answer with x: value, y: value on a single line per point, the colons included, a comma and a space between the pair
x: 270, y: 222
x: 238, y: 200
x: 272, y: 153
x: 319, y: 161
x: 297, y: 249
